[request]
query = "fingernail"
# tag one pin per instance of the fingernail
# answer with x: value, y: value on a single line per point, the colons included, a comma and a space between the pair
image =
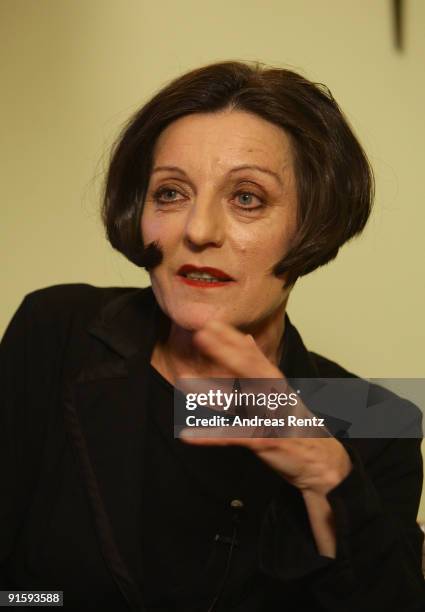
x: 186, y: 433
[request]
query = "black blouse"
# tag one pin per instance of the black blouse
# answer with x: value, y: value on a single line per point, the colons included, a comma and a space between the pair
x: 190, y: 522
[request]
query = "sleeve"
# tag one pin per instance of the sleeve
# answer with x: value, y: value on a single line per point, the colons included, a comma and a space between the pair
x: 13, y: 349
x: 18, y: 433
x: 379, y: 543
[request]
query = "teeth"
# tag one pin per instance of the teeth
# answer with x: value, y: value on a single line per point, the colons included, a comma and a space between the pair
x: 202, y: 276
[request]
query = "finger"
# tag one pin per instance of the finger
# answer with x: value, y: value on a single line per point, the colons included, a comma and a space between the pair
x: 235, y: 351
x: 225, y: 332
x: 218, y: 436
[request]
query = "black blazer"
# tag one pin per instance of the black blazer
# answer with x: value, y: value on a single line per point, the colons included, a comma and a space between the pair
x: 74, y: 363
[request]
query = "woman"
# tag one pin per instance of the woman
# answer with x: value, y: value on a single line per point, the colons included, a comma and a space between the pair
x: 229, y: 184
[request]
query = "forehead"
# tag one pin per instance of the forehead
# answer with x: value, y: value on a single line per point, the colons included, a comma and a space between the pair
x: 222, y: 138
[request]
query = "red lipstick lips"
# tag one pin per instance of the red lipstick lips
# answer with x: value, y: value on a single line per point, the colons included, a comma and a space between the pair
x: 207, y: 270
x: 219, y: 278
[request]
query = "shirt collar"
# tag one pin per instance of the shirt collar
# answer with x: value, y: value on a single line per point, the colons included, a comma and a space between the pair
x: 131, y: 321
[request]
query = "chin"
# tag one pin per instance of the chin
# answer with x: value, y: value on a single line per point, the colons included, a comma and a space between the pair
x: 193, y: 319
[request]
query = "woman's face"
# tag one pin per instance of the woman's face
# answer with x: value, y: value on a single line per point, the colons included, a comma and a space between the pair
x: 221, y: 195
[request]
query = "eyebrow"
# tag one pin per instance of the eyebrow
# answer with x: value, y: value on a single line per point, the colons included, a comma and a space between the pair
x: 271, y: 173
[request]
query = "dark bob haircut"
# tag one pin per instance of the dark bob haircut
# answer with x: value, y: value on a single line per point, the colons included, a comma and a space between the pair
x: 334, y: 179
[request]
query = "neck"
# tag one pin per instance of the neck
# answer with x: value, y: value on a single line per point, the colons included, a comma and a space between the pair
x: 176, y: 355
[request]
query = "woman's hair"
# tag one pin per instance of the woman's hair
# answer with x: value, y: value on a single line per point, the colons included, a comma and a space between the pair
x: 334, y: 180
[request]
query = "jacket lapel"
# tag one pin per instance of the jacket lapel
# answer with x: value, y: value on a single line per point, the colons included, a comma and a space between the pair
x: 105, y: 416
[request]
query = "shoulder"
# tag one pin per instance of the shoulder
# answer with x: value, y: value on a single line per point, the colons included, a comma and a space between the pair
x: 67, y: 299
x: 60, y: 306
x: 372, y: 406
x: 52, y: 315
x: 376, y: 392
x: 327, y: 368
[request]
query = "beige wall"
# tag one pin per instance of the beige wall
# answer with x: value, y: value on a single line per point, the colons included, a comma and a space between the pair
x: 73, y: 70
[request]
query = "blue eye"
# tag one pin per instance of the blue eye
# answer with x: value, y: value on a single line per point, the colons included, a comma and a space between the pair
x: 247, y: 202
x: 158, y: 196
x: 243, y: 195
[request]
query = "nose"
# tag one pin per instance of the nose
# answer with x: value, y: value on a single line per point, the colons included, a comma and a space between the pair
x: 205, y: 224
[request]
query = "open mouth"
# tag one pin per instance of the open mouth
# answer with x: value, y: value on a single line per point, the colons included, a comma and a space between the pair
x: 198, y: 281
x: 204, y: 275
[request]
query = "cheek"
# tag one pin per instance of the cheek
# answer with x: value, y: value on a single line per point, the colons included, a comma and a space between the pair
x: 157, y: 227
x: 260, y: 249
x: 145, y: 226
x: 149, y: 227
